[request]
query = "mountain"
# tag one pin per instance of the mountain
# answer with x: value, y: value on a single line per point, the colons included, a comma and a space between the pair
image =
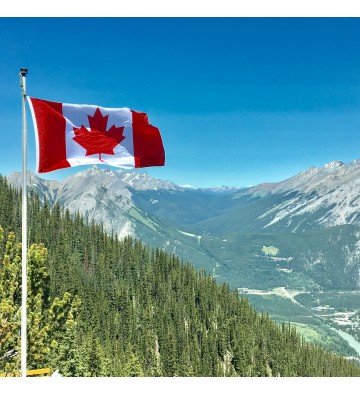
x: 129, y: 310
x: 311, y: 218
x: 111, y: 198
x: 276, y: 242
x: 102, y: 195
x: 319, y: 197
x: 220, y: 190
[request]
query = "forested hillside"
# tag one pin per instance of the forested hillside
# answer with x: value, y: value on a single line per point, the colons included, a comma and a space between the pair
x: 143, y: 312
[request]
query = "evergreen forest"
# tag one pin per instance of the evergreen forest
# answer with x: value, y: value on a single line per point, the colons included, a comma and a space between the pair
x: 99, y: 306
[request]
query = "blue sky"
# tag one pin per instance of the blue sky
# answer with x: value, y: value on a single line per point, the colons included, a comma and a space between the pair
x: 238, y: 101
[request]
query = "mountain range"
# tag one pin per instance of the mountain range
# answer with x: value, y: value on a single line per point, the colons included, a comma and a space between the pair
x: 324, y: 201
x: 298, y: 236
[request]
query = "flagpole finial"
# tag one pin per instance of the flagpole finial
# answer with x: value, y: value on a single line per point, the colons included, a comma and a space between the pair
x: 23, y: 72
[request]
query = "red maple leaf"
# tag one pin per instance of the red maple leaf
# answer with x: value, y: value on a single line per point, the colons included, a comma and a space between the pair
x: 98, y: 140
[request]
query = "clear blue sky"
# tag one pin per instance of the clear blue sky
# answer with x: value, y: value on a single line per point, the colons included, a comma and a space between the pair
x: 238, y: 101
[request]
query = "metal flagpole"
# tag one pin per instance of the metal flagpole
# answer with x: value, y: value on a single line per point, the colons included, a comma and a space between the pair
x: 23, y: 73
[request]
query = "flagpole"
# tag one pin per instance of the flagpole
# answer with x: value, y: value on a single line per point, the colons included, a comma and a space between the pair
x: 23, y: 73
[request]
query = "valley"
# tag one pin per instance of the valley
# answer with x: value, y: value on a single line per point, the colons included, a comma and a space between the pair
x: 315, y: 315
x: 292, y: 248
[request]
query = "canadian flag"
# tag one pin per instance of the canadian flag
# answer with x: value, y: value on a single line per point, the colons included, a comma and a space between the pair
x: 69, y: 135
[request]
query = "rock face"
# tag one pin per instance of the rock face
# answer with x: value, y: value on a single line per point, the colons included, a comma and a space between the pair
x: 316, y: 198
x: 101, y: 194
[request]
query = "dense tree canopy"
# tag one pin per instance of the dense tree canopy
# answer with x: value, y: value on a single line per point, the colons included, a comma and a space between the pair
x: 143, y: 312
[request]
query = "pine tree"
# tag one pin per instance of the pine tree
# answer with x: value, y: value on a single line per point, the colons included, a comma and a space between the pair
x: 10, y: 306
x: 49, y: 324
x: 133, y: 367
